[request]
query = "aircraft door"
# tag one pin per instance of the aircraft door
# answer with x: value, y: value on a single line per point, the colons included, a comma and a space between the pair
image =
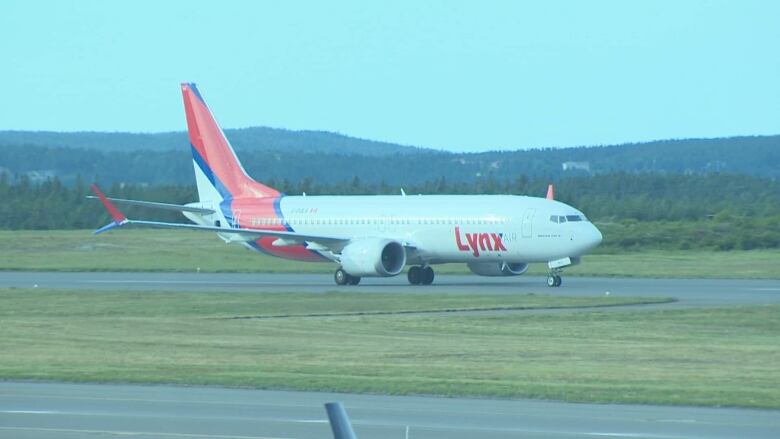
x: 526, y: 229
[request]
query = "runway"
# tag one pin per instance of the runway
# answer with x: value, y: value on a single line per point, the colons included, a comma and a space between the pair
x: 688, y: 292
x: 43, y: 410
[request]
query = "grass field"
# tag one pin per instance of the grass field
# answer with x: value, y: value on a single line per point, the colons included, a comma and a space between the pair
x: 713, y: 357
x: 154, y: 250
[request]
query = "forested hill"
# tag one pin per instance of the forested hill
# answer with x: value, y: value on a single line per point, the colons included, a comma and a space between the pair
x: 328, y: 158
x: 254, y: 138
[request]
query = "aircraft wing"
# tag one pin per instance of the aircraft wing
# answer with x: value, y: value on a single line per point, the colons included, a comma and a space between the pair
x: 237, y: 234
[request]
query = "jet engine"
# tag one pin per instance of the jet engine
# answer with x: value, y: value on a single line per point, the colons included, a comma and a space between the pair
x: 373, y: 257
x: 498, y: 268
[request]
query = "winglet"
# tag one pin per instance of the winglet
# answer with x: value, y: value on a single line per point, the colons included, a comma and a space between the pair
x: 550, y: 194
x: 118, y: 217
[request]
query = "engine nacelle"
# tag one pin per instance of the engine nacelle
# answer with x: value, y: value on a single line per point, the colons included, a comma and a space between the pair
x: 373, y: 257
x: 498, y: 268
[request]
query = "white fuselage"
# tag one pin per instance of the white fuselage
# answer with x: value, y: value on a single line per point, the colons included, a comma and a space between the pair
x: 437, y: 228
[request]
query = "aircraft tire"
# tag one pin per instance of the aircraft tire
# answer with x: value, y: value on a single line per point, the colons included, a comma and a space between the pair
x: 427, y: 276
x: 353, y: 280
x: 341, y: 277
x: 414, y: 275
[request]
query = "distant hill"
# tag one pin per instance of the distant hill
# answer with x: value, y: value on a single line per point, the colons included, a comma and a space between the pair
x: 753, y: 155
x: 327, y: 158
x: 254, y: 138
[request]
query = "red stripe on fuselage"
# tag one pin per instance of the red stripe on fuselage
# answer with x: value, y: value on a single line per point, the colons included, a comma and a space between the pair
x: 250, y: 214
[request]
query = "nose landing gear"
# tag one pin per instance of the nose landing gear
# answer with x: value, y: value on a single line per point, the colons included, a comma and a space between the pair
x: 556, y: 268
x: 554, y: 280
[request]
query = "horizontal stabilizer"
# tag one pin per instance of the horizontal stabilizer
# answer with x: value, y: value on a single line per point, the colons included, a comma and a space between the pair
x: 156, y: 205
x: 241, y: 234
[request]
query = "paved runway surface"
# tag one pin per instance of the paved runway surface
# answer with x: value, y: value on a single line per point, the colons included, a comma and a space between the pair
x: 689, y: 292
x: 66, y: 411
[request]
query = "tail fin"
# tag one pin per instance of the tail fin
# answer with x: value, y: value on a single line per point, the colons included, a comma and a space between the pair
x: 218, y: 172
x: 550, y: 192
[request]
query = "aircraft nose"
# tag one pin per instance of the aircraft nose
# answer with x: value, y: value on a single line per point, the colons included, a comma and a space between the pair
x: 595, y: 237
x: 588, y: 238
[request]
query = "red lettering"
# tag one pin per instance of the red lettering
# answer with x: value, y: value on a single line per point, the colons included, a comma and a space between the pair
x: 497, y: 243
x: 479, y: 241
x: 472, y: 239
x: 484, y: 242
x: 461, y: 246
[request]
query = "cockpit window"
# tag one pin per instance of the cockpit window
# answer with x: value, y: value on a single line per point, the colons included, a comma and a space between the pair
x: 560, y: 219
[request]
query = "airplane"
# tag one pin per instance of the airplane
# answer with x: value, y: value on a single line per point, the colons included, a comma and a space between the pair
x: 367, y: 236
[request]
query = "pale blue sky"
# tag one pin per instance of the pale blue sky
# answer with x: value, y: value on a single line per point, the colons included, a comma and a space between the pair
x: 451, y: 75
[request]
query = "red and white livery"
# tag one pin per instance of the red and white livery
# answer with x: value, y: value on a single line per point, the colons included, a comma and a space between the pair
x: 368, y: 236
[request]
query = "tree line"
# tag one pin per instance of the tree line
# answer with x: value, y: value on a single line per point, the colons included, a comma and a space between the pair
x: 328, y: 158
x: 715, y: 211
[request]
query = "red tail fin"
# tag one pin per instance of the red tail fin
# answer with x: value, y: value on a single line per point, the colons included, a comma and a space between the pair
x: 213, y: 155
x: 550, y: 194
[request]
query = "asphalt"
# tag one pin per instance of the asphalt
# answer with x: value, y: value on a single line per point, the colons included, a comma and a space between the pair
x: 48, y: 410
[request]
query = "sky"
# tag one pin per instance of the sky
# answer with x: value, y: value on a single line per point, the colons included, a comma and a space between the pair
x: 453, y: 75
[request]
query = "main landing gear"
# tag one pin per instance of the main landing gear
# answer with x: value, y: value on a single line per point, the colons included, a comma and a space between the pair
x: 343, y: 278
x: 420, y: 275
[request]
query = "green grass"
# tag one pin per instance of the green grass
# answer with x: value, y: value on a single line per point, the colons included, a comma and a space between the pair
x: 154, y: 250
x: 711, y: 357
